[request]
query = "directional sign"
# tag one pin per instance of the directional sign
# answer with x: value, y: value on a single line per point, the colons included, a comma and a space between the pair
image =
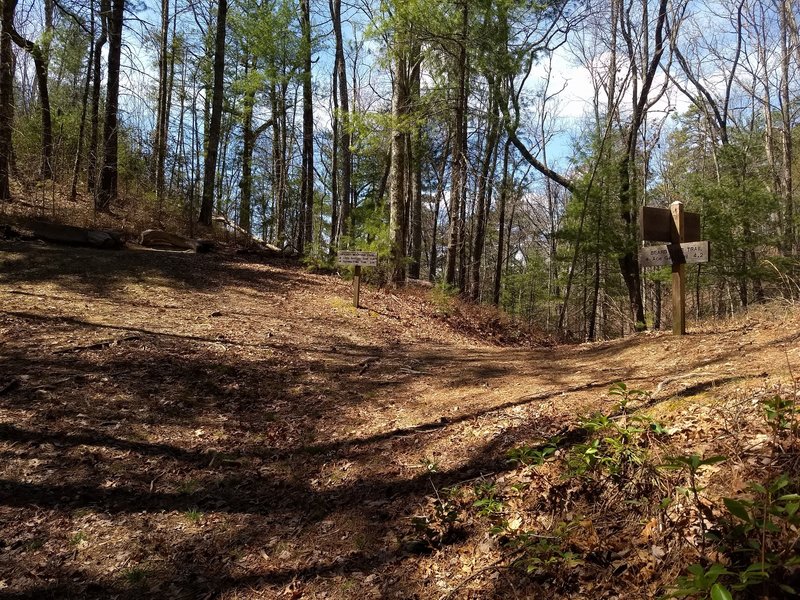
x: 657, y: 225
x: 687, y: 253
x: 357, y: 258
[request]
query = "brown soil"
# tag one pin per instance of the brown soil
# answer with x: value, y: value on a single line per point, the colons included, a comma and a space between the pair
x: 207, y: 426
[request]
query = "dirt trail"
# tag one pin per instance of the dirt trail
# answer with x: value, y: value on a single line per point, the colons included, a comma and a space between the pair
x: 191, y: 426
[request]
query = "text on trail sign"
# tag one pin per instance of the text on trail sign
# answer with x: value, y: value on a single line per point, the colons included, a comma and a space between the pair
x: 358, y: 258
x: 687, y: 253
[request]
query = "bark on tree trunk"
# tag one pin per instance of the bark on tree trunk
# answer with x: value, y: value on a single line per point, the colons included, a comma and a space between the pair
x: 458, y: 169
x: 334, y: 241
x: 162, y: 116
x: 39, y: 53
x: 397, y: 188
x: 210, y: 164
x: 91, y: 167
x: 344, y: 121
x: 107, y: 192
x: 76, y: 167
x: 482, y: 195
x: 439, y: 193
x: 498, y: 269
x: 415, y: 168
x: 307, y: 172
x: 248, y: 142
x: 786, y: 132
x: 6, y: 99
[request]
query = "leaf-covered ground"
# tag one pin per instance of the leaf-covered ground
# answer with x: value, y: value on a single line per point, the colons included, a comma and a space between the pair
x: 212, y: 426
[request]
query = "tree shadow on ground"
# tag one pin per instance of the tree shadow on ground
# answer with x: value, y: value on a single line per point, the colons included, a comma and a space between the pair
x: 26, y: 263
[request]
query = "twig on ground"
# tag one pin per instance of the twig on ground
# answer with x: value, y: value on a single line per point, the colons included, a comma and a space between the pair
x: 97, y: 345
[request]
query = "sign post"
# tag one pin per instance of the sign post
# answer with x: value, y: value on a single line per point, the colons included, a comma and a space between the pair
x: 678, y: 273
x: 682, y: 230
x: 357, y: 286
x: 357, y: 259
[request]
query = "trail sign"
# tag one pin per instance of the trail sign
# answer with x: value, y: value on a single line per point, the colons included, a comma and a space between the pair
x: 687, y: 253
x: 357, y: 259
x: 657, y: 225
x: 682, y: 229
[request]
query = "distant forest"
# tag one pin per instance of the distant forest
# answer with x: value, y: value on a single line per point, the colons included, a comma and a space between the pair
x: 432, y: 132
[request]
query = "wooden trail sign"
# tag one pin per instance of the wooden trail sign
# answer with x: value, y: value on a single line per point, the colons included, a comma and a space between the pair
x: 682, y: 229
x: 687, y: 253
x: 657, y: 225
x: 357, y: 259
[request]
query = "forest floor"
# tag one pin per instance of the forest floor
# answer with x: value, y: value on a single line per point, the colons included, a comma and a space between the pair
x: 214, y: 426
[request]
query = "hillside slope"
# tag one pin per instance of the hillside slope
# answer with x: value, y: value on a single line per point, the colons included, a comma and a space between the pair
x: 189, y: 426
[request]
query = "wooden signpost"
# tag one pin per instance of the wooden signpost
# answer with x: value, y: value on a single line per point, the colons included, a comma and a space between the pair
x: 357, y: 259
x: 682, y: 231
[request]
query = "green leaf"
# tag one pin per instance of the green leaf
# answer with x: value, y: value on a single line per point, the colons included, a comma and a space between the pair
x: 715, y: 570
x: 737, y: 509
x: 696, y: 570
x: 618, y: 388
x: 712, y: 460
x: 720, y: 592
x: 780, y: 483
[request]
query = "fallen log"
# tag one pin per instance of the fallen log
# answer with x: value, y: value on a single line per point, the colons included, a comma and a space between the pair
x: 74, y: 236
x: 155, y: 238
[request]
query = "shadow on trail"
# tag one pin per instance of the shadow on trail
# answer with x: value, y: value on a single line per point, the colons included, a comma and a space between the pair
x: 82, y: 324
x: 26, y: 263
x: 195, y: 567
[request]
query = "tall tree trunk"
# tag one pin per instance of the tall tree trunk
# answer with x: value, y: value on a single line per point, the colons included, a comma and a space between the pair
x: 39, y: 52
x: 458, y: 169
x: 76, y: 167
x: 397, y: 188
x: 210, y: 164
x: 6, y: 99
x: 346, y: 158
x: 94, y: 133
x: 162, y: 113
x: 435, y: 229
x: 307, y: 169
x: 249, y: 138
x: 597, y: 269
x: 335, y: 202
x: 107, y: 192
x: 279, y: 144
x: 248, y: 143
x: 179, y: 164
x: 170, y: 89
x: 415, y: 168
x: 482, y: 197
x: 498, y: 270
x: 786, y: 132
x: 629, y: 210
